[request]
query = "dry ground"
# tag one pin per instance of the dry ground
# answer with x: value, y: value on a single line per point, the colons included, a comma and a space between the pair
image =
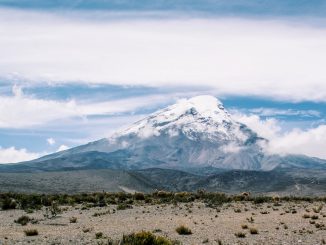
x: 276, y: 224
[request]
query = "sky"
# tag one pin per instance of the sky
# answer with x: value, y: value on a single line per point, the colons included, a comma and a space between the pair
x: 76, y: 71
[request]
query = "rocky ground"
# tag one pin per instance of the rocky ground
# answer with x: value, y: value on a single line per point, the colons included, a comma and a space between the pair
x: 284, y: 223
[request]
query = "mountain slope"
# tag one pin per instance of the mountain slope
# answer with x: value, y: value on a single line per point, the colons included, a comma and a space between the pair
x: 281, y: 181
x: 195, y: 132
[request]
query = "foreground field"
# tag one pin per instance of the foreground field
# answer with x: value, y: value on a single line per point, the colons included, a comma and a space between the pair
x: 233, y: 222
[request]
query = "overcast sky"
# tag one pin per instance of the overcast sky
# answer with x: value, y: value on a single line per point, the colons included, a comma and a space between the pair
x: 76, y: 71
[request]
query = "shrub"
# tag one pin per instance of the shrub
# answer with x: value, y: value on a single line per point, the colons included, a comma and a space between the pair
x: 240, y: 234
x: 31, y: 232
x: 157, y: 230
x: 99, y: 235
x: 318, y: 209
x: 8, y: 203
x: 306, y: 216
x: 183, y: 230
x: 123, y: 206
x: 53, y: 210
x: 251, y: 220
x: 146, y: 238
x: 23, y: 220
x: 214, y: 199
x: 73, y: 219
x: 139, y: 196
x: 314, y: 217
x: 85, y: 230
x: 244, y: 226
x: 253, y: 231
x: 262, y: 199
x: 163, y: 194
x: 96, y: 214
x: 206, y: 240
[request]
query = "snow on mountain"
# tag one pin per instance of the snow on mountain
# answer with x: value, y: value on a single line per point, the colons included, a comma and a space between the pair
x: 202, y: 116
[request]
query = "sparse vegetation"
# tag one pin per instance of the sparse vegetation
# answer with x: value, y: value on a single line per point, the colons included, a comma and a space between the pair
x: 125, y: 200
x: 170, y: 206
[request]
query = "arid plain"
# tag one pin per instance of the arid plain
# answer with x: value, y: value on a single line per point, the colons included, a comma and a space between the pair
x: 242, y: 222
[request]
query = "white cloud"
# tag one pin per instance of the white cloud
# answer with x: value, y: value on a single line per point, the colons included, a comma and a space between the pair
x: 284, y: 112
x: 267, y: 128
x: 231, y: 148
x: 50, y: 141
x: 13, y: 155
x: 309, y: 142
x: 22, y: 111
x: 62, y: 148
x: 279, y: 59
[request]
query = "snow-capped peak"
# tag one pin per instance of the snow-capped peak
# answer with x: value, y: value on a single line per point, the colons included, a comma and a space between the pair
x: 197, y: 117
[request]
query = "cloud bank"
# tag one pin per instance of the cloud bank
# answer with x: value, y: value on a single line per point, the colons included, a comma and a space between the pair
x: 309, y: 142
x: 278, y: 59
x: 22, y: 111
x: 13, y: 155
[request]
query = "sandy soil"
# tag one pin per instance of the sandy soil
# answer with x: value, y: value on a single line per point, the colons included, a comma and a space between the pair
x: 275, y: 224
